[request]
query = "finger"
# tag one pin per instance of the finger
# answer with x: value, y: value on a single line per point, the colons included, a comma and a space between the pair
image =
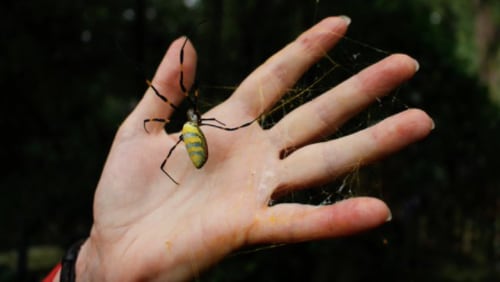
x: 271, y: 80
x: 324, y: 115
x: 289, y: 223
x: 167, y: 82
x: 325, y: 161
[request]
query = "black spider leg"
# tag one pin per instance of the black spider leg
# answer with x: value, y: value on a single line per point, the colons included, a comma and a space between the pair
x: 181, y: 76
x: 161, y: 120
x: 224, y: 127
x: 212, y: 119
x: 192, y: 101
x: 168, y: 156
x: 164, y: 99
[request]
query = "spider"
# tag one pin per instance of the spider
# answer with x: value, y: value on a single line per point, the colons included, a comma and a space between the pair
x: 191, y: 134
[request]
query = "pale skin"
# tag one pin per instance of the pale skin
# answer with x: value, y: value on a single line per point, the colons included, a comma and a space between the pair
x: 147, y: 228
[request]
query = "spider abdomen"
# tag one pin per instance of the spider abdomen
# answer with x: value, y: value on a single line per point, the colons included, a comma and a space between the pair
x: 196, y: 143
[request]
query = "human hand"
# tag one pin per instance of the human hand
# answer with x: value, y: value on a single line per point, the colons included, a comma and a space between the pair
x: 148, y: 228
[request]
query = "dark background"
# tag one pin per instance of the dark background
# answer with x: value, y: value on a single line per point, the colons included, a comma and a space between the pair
x: 72, y: 70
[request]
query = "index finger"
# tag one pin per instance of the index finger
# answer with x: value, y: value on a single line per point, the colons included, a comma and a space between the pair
x: 167, y: 82
x: 268, y: 83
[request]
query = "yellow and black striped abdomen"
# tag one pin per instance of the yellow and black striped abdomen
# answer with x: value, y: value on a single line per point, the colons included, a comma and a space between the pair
x: 196, y: 144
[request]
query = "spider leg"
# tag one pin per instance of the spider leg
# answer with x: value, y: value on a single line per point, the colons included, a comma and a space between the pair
x: 162, y: 120
x: 181, y: 77
x: 163, y: 98
x: 192, y: 100
x: 168, y: 156
x: 227, y: 128
x: 213, y: 119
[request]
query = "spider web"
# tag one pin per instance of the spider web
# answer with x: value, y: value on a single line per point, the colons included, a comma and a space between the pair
x: 347, y: 58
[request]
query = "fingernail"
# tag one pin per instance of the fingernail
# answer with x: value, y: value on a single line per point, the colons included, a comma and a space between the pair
x: 433, y: 125
x: 417, y: 65
x: 389, y: 217
x: 346, y: 19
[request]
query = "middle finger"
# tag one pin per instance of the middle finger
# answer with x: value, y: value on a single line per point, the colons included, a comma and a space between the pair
x: 322, y: 116
x: 280, y: 72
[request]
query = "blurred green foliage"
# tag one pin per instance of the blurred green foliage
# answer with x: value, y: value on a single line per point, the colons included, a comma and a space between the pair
x: 72, y: 70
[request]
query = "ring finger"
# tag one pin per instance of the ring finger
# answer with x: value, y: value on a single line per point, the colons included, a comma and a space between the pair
x: 328, y: 160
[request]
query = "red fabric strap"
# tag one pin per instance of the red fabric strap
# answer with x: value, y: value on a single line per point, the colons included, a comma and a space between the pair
x: 52, y: 274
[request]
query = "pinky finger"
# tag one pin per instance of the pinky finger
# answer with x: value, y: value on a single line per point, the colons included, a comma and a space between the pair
x: 288, y: 223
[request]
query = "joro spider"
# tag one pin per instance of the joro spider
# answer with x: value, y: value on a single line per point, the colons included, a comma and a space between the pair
x: 191, y: 134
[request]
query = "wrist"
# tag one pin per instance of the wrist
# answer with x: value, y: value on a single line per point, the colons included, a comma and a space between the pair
x: 68, y: 262
x: 87, y: 258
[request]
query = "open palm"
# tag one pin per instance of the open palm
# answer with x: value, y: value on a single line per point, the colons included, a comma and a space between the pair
x: 148, y: 228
